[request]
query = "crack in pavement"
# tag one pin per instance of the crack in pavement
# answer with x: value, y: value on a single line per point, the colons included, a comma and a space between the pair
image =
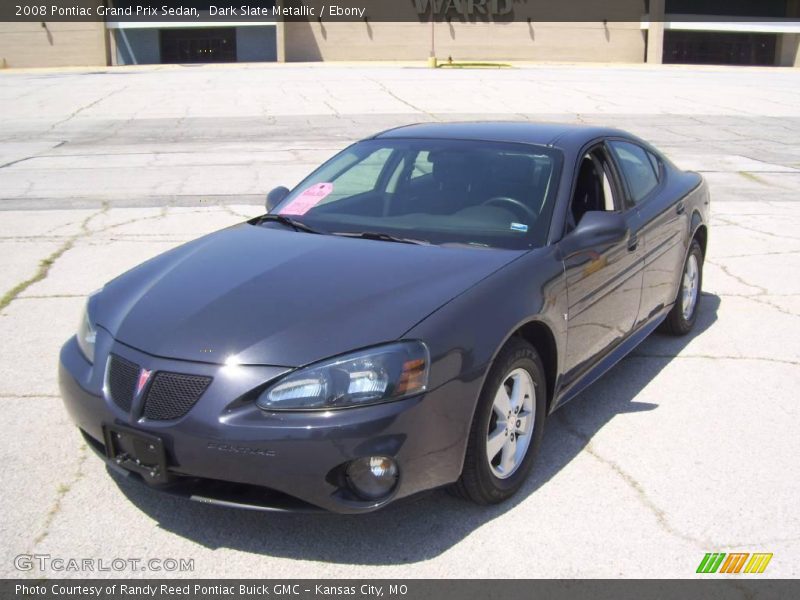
x: 760, y: 254
x: 33, y: 238
x: 50, y: 296
x: 754, y: 230
x: 48, y: 262
x: 381, y: 85
x: 762, y: 294
x: 235, y: 213
x: 754, y: 178
x: 332, y: 108
x: 61, y: 492
x: 762, y: 300
x: 661, y: 516
x: 161, y: 214
x: 134, y: 240
x: 80, y: 109
x: 762, y: 291
x: 712, y: 357
x: 32, y: 156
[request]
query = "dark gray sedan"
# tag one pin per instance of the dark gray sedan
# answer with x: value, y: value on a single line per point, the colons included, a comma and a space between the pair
x: 404, y: 319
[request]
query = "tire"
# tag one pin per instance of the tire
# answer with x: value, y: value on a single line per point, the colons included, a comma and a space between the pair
x: 489, y: 480
x: 681, y: 318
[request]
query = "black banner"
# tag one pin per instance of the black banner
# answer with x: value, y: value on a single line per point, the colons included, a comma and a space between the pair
x: 721, y: 588
x: 200, y: 11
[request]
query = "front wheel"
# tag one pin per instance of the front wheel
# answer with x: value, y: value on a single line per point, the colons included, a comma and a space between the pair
x: 507, y: 428
x: 681, y: 318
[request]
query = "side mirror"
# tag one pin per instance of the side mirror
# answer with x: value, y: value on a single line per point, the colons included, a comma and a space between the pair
x: 597, y: 228
x: 276, y: 196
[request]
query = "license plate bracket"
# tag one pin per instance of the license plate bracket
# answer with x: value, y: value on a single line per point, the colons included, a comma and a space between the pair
x: 136, y: 451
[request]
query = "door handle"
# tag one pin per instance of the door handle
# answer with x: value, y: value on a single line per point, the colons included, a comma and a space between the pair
x: 633, y: 242
x: 680, y: 208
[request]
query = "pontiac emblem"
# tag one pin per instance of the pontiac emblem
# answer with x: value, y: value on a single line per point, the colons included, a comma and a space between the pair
x: 144, y: 377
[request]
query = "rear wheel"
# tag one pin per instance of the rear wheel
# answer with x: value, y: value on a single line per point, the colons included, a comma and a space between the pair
x: 683, y: 315
x: 507, y: 428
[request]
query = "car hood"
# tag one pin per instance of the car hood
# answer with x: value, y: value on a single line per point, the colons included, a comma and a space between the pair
x: 272, y: 297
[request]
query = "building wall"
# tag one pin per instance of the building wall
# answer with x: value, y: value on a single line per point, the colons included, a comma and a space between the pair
x: 536, y: 41
x: 789, y: 45
x: 788, y: 51
x: 52, y: 44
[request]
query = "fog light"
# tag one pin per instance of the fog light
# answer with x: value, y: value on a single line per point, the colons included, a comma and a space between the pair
x: 373, y: 477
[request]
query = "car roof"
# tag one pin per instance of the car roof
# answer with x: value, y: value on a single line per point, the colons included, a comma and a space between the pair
x: 541, y: 134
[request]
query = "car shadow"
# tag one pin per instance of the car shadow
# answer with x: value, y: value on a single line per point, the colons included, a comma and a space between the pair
x: 423, y: 527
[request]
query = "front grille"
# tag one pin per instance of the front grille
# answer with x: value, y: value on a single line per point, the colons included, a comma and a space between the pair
x: 122, y: 378
x: 171, y: 395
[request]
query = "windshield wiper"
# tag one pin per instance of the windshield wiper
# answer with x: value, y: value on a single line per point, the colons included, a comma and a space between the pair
x: 288, y: 222
x: 383, y: 237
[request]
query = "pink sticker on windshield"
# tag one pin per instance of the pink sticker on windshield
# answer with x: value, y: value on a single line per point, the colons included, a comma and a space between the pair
x: 308, y: 199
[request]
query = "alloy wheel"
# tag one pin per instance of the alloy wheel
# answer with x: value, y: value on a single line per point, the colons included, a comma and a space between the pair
x: 511, y: 425
x: 691, y: 285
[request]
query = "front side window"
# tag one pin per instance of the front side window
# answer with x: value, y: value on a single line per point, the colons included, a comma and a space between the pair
x: 637, y: 167
x: 593, y: 189
x: 482, y: 194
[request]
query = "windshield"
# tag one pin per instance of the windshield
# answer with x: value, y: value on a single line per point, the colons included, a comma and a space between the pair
x: 484, y: 194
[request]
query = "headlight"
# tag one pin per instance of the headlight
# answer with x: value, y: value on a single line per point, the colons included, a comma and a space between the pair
x: 369, y: 376
x: 86, y: 334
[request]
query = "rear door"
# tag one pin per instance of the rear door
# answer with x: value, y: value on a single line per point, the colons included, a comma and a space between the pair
x: 663, y: 221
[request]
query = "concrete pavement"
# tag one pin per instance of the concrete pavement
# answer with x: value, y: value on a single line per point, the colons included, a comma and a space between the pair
x: 689, y: 446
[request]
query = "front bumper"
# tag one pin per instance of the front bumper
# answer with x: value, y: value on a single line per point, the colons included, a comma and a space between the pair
x: 234, y: 453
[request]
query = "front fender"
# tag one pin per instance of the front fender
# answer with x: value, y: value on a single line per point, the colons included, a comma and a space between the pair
x: 465, y: 335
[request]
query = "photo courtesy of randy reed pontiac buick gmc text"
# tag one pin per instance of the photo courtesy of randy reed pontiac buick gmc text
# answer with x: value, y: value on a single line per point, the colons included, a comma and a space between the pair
x: 197, y: 589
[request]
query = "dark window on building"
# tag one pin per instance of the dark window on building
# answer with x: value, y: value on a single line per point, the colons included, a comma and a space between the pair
x: 729, y: 8
x: 719, y: 48
x: 191, y: 45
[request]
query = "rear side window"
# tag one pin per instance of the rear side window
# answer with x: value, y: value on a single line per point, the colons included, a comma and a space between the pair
x: 639, y: 167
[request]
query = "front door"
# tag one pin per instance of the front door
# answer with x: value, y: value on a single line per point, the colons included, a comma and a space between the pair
x: 604, y: 283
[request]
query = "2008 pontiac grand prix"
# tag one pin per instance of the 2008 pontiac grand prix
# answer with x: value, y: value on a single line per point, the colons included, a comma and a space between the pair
x: 404, y: 319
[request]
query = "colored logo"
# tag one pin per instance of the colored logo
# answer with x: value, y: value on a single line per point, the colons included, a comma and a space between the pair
x: 144, y: 377
x: 738, y: 562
